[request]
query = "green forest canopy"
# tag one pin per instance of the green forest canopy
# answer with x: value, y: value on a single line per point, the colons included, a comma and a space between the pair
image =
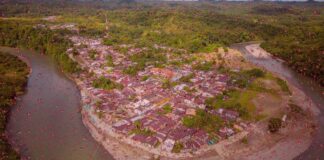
x: 291, y: 31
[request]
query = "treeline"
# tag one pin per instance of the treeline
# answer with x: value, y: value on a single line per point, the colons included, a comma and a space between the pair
x: 296, y: 38
x: 18, y: 34
x: 291, y: 31
x: 13, y: 72
x: 193, y: 30
x: 13, y: 78
x: 306, y: 59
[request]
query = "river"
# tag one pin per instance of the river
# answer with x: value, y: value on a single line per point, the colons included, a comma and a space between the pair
x: 312, y: 89
x: 45, y: 123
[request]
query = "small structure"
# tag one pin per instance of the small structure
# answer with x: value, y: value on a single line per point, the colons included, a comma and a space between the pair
x: 191, y: 111
x: 168, y: 145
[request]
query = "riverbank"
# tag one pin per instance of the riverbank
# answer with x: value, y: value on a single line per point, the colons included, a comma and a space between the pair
x: 45, y: 122
x: 310, y: 92
x: 14, y: 73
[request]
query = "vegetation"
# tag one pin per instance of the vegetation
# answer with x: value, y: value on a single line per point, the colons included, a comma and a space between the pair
x: 244, y: 140
x: 75, y: 52
x: 100, y: 114
x: 167, y: 109
x: 203, y: 120
x: 234, y: 100
x: 283, y: 85
x: 109, y: 61
x: 93, y: 54
x: 168, y: 84
x: 290, y: 31
x: 13, y: 78
x: 22, y: 34
x: 177, y: 147
x: 296, y: 109
x: 106, y: 84
x: 140, y: 130
x: 144, y: 78
x: 239, y: 98
x: 151, y: 56
x: 204, y: 66
x: 254, y: 73
x: 242, y: 79
x: 274, y: 124
x: 187, y: 78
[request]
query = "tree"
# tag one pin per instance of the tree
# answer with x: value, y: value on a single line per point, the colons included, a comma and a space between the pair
x: 274, y: 125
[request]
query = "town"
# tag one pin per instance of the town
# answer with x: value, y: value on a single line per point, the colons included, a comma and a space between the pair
x: 150, y: 106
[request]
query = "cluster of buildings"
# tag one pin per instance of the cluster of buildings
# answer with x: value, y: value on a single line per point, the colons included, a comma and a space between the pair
x: 138, y: 110
x: 67, y: 26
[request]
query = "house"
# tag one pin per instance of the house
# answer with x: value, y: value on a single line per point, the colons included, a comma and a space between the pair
x: 191, y: 145
x: 180, y: 133
x: 226, y: 132
x: 179, y: 87
x: 228, y: 114
x: 124, y: 129
x: 151, y: 140
x: 191, y: 111
x: 168, y: 145
x: 167, y: 73
x: 161, y: 136
x: 143, y: 102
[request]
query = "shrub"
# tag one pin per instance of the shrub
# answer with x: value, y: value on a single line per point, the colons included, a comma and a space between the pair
x: 203, y: 66
x: 244, y: 140
x: 225, y: 49
x: 203, y: 120
x: 188, y: 121
x: 167, y: 109
x: 110, y: 41
x: 75, y: 52
x: 177, y: 147
x: 132, y: 70
x: 274, y: 124
x: 93, y: 54
x: 106, y: 84
x: 283, y: 85
x: 168, y: 84
x: 109, y: 61
x: 296, y: 109
x: 144, y: 78
x: 142, y: 131
x: 187, y: 78
x: 255, y: 72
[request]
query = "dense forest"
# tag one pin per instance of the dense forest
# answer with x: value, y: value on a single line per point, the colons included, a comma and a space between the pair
x: 13, y: 78
x: 292, y: 31
x: 16, y: 34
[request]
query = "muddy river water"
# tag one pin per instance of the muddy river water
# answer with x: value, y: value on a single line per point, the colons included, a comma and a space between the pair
x: 313, y: 90
x: 46, y: 124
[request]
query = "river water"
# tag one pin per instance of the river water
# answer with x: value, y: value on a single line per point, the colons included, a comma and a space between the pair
x: 45, y: 123
x: 313, y: 90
